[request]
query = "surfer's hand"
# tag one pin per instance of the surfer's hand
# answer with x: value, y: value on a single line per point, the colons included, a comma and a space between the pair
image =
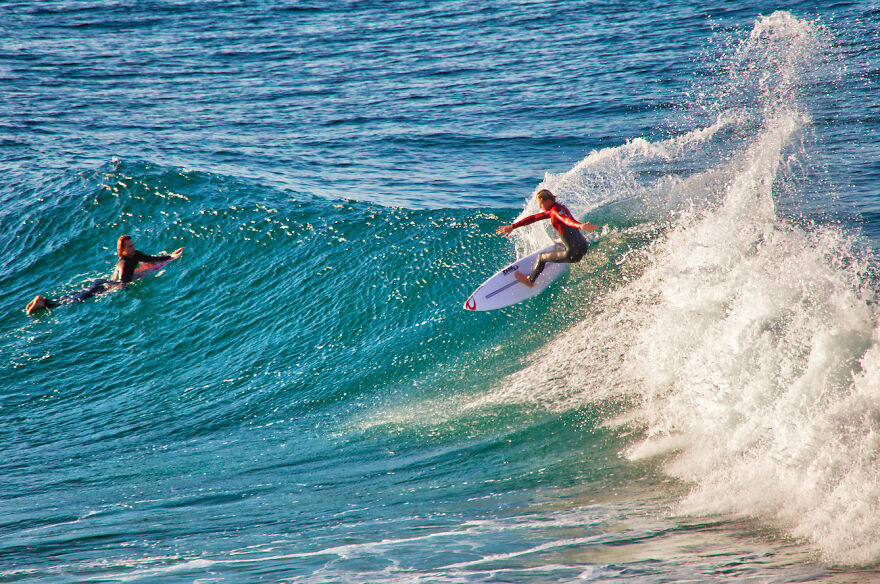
x: 177, y: 252
x: 504, y: 230
x: 589, y: 227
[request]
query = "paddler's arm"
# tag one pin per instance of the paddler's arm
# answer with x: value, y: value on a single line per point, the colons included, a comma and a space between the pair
x: 142, y: 257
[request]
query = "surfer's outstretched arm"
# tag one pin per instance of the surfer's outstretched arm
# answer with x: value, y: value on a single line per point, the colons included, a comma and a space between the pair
x: 506, y: 229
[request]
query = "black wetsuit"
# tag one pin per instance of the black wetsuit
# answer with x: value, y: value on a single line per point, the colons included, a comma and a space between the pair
x: 569, y: 230
x: 122, y: 274
x: 126, y: 265
x: 575, y: 249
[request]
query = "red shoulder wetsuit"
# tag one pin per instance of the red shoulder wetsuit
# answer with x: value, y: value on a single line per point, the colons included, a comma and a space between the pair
x: 559, y: 216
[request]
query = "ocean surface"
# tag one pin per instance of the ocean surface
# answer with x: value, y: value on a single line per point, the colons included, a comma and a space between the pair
x: 301, y: 396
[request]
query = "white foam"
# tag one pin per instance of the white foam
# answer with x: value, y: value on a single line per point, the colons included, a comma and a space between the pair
x: 745, y: 344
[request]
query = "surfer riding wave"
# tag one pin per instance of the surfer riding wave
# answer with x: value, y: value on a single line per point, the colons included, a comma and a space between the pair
x: 569, y: 229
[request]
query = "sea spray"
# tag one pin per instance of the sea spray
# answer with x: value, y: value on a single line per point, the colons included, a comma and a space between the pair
x: 740, y: 342
x: 754, y: 338
x: 757, y: 342
x: 627, y: 176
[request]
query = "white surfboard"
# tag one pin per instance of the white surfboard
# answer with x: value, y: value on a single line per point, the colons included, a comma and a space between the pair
x: 502, y: 289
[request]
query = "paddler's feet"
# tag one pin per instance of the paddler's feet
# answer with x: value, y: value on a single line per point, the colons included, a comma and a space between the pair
x: 36, y: 304
x: 523, y: 279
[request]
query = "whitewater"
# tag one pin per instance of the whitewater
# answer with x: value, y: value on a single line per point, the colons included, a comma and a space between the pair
x: 742, y: 341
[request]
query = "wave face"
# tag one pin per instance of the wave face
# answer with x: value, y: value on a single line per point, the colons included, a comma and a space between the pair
x: 301, y: 397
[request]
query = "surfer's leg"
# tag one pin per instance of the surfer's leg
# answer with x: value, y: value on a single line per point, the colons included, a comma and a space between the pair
x: 40, y: 303
x: 576, y: 254
x: 559, y: 255
x: 97, y: 287
x: 572, y: 254
x: 575, y: 245
x: 523, y: 279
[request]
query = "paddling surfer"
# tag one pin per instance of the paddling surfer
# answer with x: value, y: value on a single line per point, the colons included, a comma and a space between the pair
x: 123, y: 273
x: 129, y: 258
x: 566, y: 225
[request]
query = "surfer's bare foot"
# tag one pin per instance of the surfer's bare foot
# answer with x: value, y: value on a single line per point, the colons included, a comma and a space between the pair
x: 36, y: 304
x: 523, y: 279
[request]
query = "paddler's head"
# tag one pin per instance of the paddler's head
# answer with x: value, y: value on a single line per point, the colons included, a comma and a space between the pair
x: 124, y: 246
x: 546, y: 199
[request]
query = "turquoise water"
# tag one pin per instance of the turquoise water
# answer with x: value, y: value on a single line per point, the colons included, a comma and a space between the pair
x: 301, y: 397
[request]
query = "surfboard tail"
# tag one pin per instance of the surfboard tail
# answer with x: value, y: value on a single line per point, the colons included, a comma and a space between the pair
x: 504, y: 289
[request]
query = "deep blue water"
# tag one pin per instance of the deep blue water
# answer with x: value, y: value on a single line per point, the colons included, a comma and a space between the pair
x: 301, y: 397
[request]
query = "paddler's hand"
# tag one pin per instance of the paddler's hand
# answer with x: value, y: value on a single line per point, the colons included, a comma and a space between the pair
x: 504, y: 230
x: 176, y: 253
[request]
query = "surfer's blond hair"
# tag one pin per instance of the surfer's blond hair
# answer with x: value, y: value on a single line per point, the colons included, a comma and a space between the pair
x: 545, y: 194
x: 120, y: 244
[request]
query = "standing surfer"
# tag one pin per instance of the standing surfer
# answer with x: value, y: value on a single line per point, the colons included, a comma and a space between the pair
x: 123, y: 273
x: 566, y: 225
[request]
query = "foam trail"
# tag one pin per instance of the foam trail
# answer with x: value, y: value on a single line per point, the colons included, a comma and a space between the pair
x: 743, y: 345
